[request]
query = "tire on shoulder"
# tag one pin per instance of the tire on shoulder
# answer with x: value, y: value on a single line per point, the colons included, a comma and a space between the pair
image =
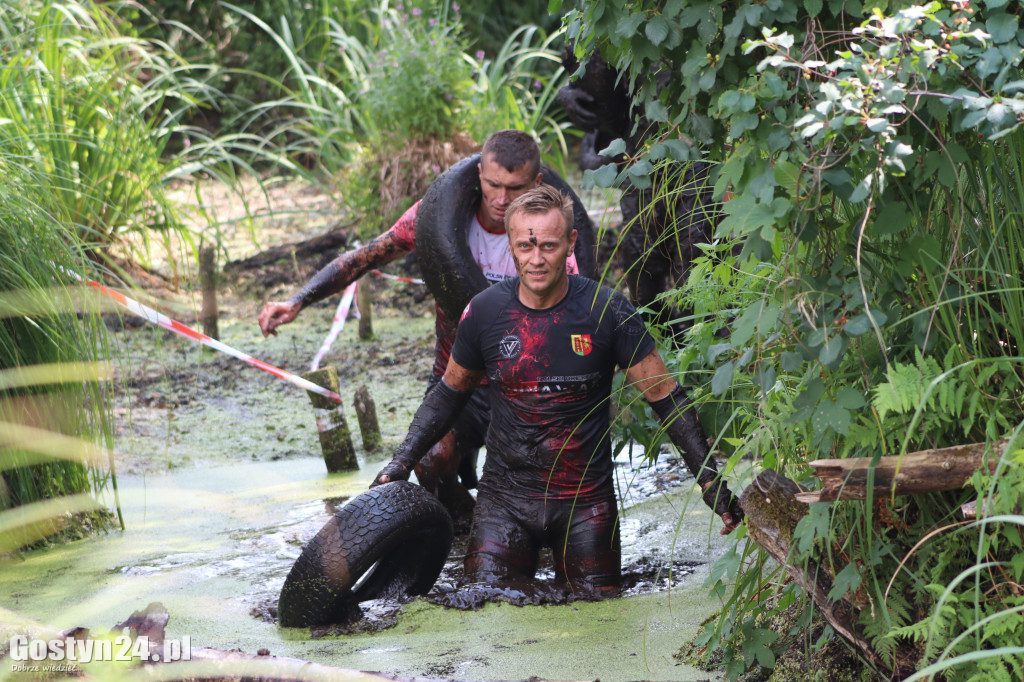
x: 386, y: 542
x: 450, y: 272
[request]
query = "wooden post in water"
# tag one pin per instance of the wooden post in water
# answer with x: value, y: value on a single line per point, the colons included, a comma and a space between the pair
x: 366, y: 412
x: 335, y: 437
x: 208, y: 283
x: 364, y: 301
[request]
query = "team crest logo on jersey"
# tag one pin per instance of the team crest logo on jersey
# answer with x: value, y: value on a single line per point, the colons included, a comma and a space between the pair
x: 581, y: 344
x: 510, y: 347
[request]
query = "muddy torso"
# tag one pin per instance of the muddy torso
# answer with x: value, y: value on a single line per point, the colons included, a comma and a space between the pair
x: 551, y: 374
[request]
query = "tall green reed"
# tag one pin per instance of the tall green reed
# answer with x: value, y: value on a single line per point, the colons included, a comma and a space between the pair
x: 55, y: 424
x: 75, y: 106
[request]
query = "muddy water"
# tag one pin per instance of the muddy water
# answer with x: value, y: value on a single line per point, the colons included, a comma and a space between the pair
x: 215, y: 544
x: 219, y: 492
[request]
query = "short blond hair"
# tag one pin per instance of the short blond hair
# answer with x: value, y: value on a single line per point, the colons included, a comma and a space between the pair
x: 540, y: 200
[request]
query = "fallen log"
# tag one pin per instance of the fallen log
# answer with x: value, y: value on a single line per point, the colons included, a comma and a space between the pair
x: 773, y: 508
x: 325, y: 245
x: 916, y: 472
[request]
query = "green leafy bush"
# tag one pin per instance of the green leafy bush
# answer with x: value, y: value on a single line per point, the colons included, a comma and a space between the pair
x: 419, y: 77
x: 874, y: 160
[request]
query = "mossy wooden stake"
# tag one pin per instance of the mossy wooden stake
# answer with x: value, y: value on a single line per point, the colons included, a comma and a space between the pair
x: 335, y: 437
x: 366, y: 413
x: 208, y: 283
x: 364, y: 301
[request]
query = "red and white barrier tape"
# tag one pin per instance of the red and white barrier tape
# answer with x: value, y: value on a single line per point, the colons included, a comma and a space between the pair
x: 178, y: 328
x: 339, y: 323
x: 407, y: 280
x: 342, y: 313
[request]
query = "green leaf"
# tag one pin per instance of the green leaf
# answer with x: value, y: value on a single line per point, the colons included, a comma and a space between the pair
x: 813, y: 525
x: 830, y: 350
x: 680, y: 150
x: 863, y: 190
x: 717, y: 349
x: 787, y: 175
x: 791, y: 362
x: 746, y: 216
x: 1002, y: 27
x: 846, y: 582
x: 722, y: 380
x: 765, y: 378
x: 861, y: 323
x: 815, y: 337
x: 805, y: 403
x: 639, y: 174
x: 614, y: 148
x: 851, y: 398
x: 762, y: 650
x: 657, y: 29
x: 656, y: 111
x: 813, y: 7
x: 743, y: 327
x: 891, y: 219
x: 729, y: 99
x: 877, y: 125
x: 603, y: 176
x: 831, y: 416
x: 628, y: 24
x: 554, y: 6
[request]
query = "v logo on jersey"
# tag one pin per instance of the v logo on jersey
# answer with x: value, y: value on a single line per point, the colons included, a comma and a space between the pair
x: 510, y: 347
x: 581, y: 344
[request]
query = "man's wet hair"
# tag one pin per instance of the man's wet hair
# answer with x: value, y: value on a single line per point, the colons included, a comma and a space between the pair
x: 511, y: 149
x: 538, y: 201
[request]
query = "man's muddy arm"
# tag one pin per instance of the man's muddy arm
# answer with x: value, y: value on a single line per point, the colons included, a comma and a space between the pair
x: 679, y: 419
x: 332, y: 278
x: 433, y: 419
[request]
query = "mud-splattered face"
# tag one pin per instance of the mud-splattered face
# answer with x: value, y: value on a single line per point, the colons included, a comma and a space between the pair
x: 540, y: 246
x: 500, y: 187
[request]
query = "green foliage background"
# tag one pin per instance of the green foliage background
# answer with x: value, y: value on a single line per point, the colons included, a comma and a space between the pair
x: 873, y: 156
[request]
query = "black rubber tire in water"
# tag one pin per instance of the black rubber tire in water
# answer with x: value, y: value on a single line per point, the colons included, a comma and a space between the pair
x: 387, y: 542
x: 449, y: 270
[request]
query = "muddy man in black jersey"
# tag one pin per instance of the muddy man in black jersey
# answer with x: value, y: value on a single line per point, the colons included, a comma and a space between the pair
x: 549, y: 344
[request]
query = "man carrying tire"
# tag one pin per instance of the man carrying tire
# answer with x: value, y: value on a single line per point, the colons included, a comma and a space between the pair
x: 549, y: 344
x: 509, y: 166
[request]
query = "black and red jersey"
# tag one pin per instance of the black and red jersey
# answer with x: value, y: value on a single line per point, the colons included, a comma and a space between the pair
x: 551, y: 376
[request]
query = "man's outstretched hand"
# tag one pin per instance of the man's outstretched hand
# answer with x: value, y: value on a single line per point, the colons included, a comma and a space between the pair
x: 394, y: 471
x: 730, y: 523
x: 718, y: 496
x: 275, y: 314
